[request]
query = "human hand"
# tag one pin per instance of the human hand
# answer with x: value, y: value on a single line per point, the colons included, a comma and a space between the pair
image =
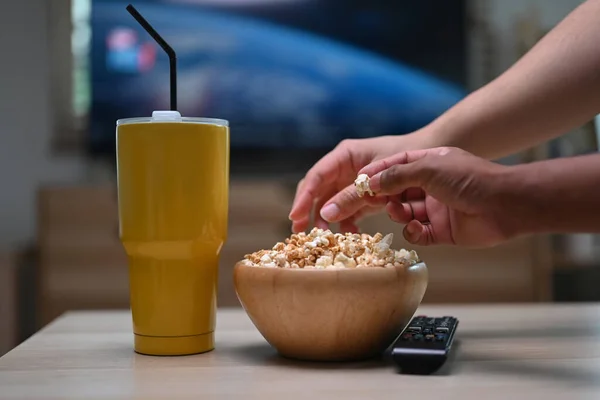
x: 444, y: 195
x: 335, y: 173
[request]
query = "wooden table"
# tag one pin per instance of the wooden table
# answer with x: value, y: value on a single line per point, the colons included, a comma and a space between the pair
x: 517, y: 351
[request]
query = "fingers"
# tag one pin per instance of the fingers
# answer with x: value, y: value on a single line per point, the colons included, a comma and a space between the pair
x: 316, y: 182
x: 403, y: 213
x: 347, y: 203
x: 400, y: 177
x: 347, y: 220
x: 407, y: 206
x: 399, y: 158
x: 397, y: 173
x: 349, y: 224
x: 300, y: 225
x: 303, y: 203
x: 298, y: 190
x: 412, y: 194
x: 318, y: 219
x: 419, y: 234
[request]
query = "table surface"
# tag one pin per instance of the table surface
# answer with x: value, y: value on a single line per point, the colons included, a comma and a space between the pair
x: 545, y: 351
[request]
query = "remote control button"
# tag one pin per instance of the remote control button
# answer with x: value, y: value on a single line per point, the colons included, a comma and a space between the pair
x: 440, y: 338
x: 442, y: 329
x: 406, y: 336
x: 414, y: 328
x: 427, y: 330
x: 418, y: 336
x: 429, y: 338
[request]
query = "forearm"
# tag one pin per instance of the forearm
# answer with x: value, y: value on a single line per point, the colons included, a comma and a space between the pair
x: 552, y: 89
x: 553, y: 196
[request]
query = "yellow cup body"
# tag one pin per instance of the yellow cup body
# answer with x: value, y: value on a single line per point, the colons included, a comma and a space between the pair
x: 173, y: 188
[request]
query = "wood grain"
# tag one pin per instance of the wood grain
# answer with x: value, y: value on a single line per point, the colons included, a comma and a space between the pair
x: 519, y: 351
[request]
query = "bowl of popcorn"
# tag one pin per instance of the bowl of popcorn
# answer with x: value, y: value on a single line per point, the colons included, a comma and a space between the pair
x: 331, y: 297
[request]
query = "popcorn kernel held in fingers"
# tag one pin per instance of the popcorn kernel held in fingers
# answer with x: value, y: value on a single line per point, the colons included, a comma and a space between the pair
x: 362, y: 185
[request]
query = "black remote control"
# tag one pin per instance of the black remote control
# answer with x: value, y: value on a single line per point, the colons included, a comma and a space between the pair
x: 424, y: 345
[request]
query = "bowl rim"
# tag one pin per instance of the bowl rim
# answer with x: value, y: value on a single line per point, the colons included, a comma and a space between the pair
x: 315, y: 270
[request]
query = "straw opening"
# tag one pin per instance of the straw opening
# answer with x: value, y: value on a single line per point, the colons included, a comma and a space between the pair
x: 165, y: 46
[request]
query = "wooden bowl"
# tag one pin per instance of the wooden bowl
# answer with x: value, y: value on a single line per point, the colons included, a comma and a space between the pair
x: 330, y: 315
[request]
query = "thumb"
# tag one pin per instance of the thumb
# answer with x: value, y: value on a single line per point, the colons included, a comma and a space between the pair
x: 418, y: 234
x: 397, y: 178
x: 346, y: 203
x: 405, y: 157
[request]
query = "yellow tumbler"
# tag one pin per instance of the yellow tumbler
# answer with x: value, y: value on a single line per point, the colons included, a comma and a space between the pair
x: 173, y: 195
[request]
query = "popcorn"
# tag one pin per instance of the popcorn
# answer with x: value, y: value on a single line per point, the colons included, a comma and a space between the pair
x: 322, y: 249
x: 343, y: 261
x: 383, y: 246
x: 362, y: 185
x: 324, y: 262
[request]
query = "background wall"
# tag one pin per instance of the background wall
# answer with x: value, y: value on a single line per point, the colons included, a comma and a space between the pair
x: 502, y: 16
x: 26, y: 119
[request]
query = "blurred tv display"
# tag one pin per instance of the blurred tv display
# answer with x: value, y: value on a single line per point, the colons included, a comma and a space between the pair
x: 302, y: 74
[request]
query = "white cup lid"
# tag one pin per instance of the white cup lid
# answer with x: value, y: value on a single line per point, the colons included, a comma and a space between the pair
x: 166, y: 116
x: 172, y: 116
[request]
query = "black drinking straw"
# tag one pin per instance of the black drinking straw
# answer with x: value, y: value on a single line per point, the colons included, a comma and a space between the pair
x: 165, y: 46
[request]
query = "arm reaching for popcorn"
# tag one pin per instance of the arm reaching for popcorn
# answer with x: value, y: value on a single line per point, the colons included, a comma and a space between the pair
x: 458, y: 198
x: 550, y: 90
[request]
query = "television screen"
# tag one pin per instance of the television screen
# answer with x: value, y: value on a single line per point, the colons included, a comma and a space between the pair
x: 301, y: 74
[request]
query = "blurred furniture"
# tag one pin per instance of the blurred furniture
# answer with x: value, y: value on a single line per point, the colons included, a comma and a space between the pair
x: 535, y: 351
x: 83, y: 266
x: 8, y: 301
x: 518, y: 271
x: 81, y: 262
